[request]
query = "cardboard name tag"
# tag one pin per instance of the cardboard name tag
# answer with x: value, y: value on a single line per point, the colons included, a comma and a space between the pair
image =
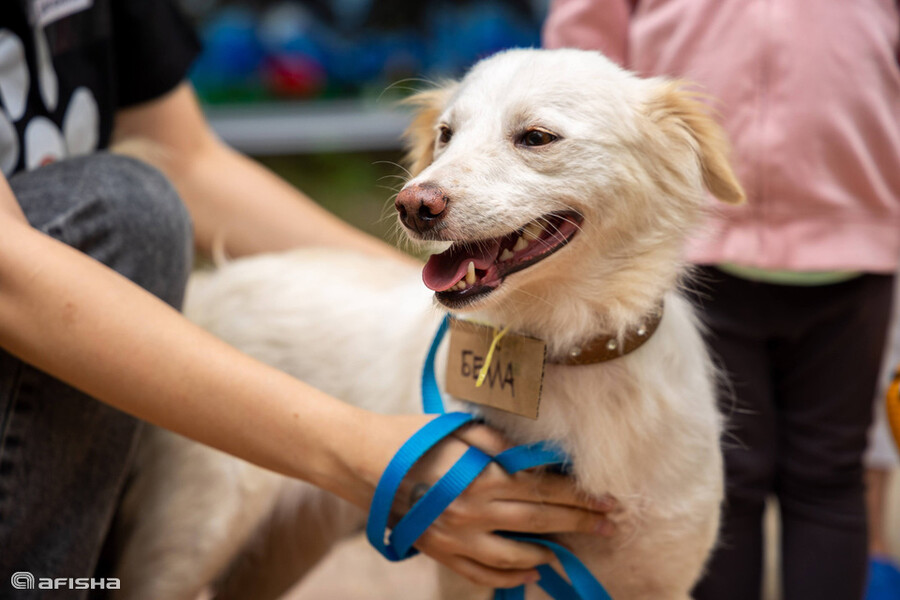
x: 515, y: 375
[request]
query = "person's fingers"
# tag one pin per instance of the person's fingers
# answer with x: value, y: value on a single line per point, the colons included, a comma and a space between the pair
x: 488, y: 440
x: 530, y: 517
x: 527, y: 486
x: 544, y: 488
x: 490, y: 577
x: 506, y: 563
x: 474, y: 514
x: 496, y: 552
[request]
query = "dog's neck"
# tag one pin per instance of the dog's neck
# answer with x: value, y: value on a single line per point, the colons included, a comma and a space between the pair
x: 568, y: 314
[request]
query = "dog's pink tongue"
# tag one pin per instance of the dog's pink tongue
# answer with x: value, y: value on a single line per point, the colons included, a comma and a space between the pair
x: 444, y: 270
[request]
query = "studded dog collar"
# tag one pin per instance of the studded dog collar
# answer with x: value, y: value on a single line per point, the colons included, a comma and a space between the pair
x: 604, y: 347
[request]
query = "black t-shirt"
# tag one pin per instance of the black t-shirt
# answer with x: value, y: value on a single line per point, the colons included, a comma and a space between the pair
x: 66, y: 66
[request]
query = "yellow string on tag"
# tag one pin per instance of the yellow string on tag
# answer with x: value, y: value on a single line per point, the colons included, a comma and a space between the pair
x: 490, y: 356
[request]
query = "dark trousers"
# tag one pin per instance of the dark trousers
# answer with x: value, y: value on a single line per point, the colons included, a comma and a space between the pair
x: 64, y: 456
x: 800, y: 367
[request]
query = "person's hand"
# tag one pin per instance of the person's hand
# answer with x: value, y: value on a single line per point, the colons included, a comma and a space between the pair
x: 463, y: 537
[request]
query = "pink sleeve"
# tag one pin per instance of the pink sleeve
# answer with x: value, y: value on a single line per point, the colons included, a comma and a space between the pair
x: 591, y: 25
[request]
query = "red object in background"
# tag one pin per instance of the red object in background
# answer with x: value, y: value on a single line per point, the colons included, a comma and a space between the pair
x: 293, y: 76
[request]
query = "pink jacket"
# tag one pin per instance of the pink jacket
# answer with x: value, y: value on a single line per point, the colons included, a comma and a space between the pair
x: 810, y: 96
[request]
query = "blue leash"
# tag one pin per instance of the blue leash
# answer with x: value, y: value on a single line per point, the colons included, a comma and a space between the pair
x: 399, y: 544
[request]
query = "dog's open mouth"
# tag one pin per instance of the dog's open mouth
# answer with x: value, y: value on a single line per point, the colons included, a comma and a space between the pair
x: 470, y: 269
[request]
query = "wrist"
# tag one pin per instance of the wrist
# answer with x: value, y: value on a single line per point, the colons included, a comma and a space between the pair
x: 348, y: 466
x: 361, y: 451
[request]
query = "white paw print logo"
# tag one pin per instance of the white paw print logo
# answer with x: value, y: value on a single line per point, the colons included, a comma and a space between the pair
x: 42, y: 141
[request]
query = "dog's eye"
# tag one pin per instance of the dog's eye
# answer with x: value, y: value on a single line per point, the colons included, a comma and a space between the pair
x: 445, y: 134
x: 537, y: 137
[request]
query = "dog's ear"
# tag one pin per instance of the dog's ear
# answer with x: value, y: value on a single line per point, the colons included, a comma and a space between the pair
x: 420, y: 135
x: 681, y: 114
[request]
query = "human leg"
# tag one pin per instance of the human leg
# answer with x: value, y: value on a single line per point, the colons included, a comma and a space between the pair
x: 737, y: 340
x: 827, y: 360
x: 64, y: 456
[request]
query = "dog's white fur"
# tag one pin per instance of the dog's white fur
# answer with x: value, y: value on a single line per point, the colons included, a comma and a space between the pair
x: 635, y: 158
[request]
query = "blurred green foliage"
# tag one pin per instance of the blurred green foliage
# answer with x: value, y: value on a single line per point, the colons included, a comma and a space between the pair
x: 357, y: 187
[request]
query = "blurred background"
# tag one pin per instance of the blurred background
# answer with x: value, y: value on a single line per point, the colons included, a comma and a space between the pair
x: 310, y: 87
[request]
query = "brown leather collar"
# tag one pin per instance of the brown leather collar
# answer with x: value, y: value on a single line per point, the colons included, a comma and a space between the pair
x: 605, y: 347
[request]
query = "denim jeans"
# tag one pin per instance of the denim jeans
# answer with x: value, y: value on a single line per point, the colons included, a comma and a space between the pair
x: 64, y: 456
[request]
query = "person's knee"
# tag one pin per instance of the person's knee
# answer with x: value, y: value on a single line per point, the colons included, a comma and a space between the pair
x: 826, y: 487
x: 749, y: 478
x: 155, y: 232
x: 118, y: 210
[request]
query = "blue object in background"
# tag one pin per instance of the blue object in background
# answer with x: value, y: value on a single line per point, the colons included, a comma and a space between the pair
x: 884, y: 579
x: 309, y: 48
x: 466, y: 33
x: 231, y: 54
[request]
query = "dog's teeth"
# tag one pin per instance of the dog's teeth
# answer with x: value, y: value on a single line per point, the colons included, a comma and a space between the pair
x: 521, y: 244
x: 506, y: 254
x: 470, y: 273
x: 532, y: 232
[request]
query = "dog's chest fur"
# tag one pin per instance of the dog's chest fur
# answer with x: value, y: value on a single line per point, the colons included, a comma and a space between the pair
x: 653, y: 407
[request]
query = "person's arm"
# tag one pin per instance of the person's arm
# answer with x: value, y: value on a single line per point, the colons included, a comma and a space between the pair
x: 228, y: 195
x: 81, y: 322
x: 590, y: 25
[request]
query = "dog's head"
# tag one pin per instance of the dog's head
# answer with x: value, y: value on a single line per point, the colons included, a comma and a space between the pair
x: 557, y: 173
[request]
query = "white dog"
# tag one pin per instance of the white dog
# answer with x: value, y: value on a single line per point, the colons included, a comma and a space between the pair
x: 566, y: 186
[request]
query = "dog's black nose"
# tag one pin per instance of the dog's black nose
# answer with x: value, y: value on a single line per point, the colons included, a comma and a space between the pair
x: 421, y: 206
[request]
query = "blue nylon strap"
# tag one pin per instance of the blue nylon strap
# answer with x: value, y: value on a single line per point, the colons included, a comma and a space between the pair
x: 432, y: 402
x: 411, y: 451
x: 437, y: 499
x: 555, y: 586
x: 581, y: 585
x: 516, y: 593
x: 551, y: 582
x: 584, y: 586
x: 529, y: 456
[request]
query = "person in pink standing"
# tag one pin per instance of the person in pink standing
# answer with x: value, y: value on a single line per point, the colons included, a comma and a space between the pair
x: 795, y: 286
